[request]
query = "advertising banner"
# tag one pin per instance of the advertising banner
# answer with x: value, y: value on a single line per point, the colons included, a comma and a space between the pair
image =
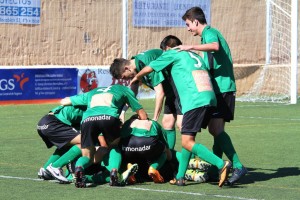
x: 165, y: 13
x: 33, y: 84
x: 92, y: 77
x: 20, y: 11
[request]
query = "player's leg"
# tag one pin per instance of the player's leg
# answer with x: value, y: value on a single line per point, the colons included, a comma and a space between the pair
x: 155, y: 166
x: 170, y: 117
x: 43, y: 173
x: 67, y: 136
x: 193, y: 121
x: 89, y: 137
x: 168, y: 123
x: 48, y: 128
x: 222, y: 141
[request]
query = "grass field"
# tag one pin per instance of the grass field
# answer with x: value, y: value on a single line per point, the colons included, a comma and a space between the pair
x: 266, y: 137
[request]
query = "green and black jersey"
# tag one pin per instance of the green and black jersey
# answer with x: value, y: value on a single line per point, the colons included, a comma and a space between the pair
x: 153, y: 79
x: 220, y: 61
x: 190, y: 76
x: 106, y: 101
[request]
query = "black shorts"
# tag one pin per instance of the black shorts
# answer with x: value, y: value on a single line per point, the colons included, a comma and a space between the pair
x: 225, y: 106
x: 54, y: 132
x: 172, y: 106
x: 93, y: 126
x: 196, y: 119
x: 136, y: 149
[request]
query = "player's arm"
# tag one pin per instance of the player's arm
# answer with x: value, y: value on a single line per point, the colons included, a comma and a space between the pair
x: 142, y: 114
x: 66, y: 101
x: 159, y: 98
x: 214, y: 46
x: 135, y: 88
x: 145, y: 71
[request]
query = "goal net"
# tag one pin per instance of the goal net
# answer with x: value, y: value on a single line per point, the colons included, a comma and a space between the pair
x: 273, y: 81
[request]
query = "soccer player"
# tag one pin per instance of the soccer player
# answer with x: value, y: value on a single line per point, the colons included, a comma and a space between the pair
x: 197, y: 97
x: 217, y: 54
x: 145, y: 141
x: 158, y: 81
x: 104, y: 106
x: 60, y: 128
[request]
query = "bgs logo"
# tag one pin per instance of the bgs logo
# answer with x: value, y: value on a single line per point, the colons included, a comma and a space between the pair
x: 9, y: 84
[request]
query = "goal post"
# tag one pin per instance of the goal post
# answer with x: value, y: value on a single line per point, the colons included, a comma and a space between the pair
x: 294, y: 51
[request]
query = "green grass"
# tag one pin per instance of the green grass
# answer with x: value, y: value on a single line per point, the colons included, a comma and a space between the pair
x: 266, y: 137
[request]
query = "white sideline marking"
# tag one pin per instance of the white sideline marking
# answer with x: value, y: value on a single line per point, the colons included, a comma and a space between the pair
x: 151, y: 190
x: 21, y: 178
x: 190, y: 193
x: 269, y: 118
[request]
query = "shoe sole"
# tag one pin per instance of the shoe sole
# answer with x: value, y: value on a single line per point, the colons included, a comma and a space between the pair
x: 224, y: 173
x: 156, y: 178
x: 114, y: 179
x: 79, y: 183
x: 131, y: 171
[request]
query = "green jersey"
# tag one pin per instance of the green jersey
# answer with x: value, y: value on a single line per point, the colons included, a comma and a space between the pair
x: 153, y: 79
x: 70, y: 115
x: 191, y: 78
x: 144, y: 128
x: 222, y: 61
x: 106, y: 101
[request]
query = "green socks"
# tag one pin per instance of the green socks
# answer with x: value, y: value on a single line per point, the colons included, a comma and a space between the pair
x: 54, y: 157
x: 171, y: 138
x: 69, y: 156
x: 83, y: 162
x: 160, y: 161
x: 183, y: 164
x: 113, y: 159
x: 203, y: 153
x: 223, y: 140
x: 99, y: 178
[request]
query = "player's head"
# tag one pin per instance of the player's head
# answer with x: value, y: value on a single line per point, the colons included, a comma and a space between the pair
x: 169, y: 42
x: 120, y: 68
x: 194, y: 17
x: 195, y: 13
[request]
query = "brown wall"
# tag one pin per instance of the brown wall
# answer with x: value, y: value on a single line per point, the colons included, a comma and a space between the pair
x: 88, y: 32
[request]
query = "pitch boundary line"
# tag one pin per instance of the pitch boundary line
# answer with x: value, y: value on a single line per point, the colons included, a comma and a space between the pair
x: 146, y: 189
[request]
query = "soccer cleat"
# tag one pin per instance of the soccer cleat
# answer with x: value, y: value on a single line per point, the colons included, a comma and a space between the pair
x: 79, y: 178
x: 237, y: 174
x: 57, y: 173
x: 155, y: 175
x: 223, y: 173
x: 199, y: 164
x: 114, y: 178
x: 128, y: 175
x: 43, y: 174
x: 70, y: 172
x: 196, y: 175
x: 178, y: 182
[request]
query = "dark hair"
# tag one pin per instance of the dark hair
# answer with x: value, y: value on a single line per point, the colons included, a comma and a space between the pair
x: 195, y: 13
x: 117, y: 67
x: 170, y: 41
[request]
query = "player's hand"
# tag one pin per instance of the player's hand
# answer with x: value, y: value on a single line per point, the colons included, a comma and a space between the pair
x: 183, y: 47
x: 134, y: 80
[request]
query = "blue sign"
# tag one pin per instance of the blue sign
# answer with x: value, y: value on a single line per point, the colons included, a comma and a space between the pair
x: 20, y: 11
x: 32, y: 84
x: 165, y: 13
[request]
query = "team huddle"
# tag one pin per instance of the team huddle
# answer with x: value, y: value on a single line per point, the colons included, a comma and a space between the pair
x: 96, y: 145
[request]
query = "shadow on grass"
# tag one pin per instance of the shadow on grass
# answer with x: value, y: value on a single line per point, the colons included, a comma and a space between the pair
x: 259, y: 174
